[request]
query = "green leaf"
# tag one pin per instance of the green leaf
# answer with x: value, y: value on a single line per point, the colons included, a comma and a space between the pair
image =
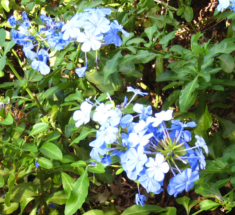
x: 2, y: 36
x: 159, y: 68
x: 24, y: 203
x: 5, y: 5
x: 188, y: 14
x: 150, y: 31
x: 59, y: 57
x: 208, y: 204
x: 228, y: 127
x: 94, y: 212
x: 23, y: 191
x: 38, y: 128
x: 135, y: 41
x: 78, y: 194
x: 68, y: 183
x: 171, y: 99
x: 67, y: 159
x: 208, y: 190
x: 2, y: 73
x: 8, y: 210
x: 203, y: 118
x: 7, y: 121
x: 106, y: 177
x: 166, y: 39
x: 58, y: 197
x: 83, y: 135
x: 180, y: 11
x: 79, y: 163
x: 51, y: 151
x: 99, y: 168
x: 8, y: 46
x: 138, y: 209
x: 186, y: 93
x: 45, y: 163
x: 184, y: 201
x: 2, y: 182
x: 227, y: 62
x: 77, y: 96
x: 171, y: 76
x: 111, y: 66
x: 169, y: 211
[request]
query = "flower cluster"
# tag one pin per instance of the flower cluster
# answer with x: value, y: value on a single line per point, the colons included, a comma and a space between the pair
x: 91, y: 29
x: 224, y: 4
x: 147, y: 148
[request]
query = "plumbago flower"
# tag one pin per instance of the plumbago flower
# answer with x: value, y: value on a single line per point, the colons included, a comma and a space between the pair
x: 88, y: 30
x: 148, y: 150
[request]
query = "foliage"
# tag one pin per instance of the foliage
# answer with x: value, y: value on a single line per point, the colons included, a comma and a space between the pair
x: 45, y: 160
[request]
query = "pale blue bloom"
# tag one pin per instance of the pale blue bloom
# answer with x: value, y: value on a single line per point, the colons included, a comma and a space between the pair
x: 157, y: 167
x: 201, y: 158
x: 150, y: 184
x: 28, y: 52
x: 136, y: 91
x: 136, y: 160
x: 106, y: 160
x: 109, y: 135
x: 101, y: 12
x: 139, y: 199
x: 40, y: 64
x: 81, y: 71
x: 144, y: 112
x: 201, y: 143
x: 98, y: 149
x: 182, y: 181
x: 223, y: 4
x: 90, y: 41
x: 102, y: 113
x: 82, y: 116
x: 162, y: 116
x: 72, y: 28
x: 126, y: 120
x: 97, y: 25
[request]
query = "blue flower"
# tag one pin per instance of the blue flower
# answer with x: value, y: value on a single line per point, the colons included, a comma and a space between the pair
x: 27, y: 51
x: 12, y: 21
x: 182, y: 181
x: 112, y: 37
x: 201, y: 143
x: 40, y: 64
x: 82, y: 116
x: 102, y: 113
x: 81, y: 71
x: 139, y: 199
x: 109, y: 135
x: 162, y: 116
x: 37, y: 164
x: 98, y: 149
x: 150, y: 184
x: 90, y: 41
x: 136, y: 91
x: 157, y: 168
x: 126, y: 120
x: 143, y: 111
x: 106, y: 160
x: 201, y: 158
x: 96, y: 24
x: 101, y: 12
x: 223, y: 4
x: 136, y: 160
x: 72, y: 28
x: 56, y: 41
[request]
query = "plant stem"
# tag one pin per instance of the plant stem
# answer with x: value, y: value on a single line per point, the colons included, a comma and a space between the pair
x: 78, y: 53
x: 197, y: 212
x: 32, y: 95
x: 165, y: 4
x: 42, y: 197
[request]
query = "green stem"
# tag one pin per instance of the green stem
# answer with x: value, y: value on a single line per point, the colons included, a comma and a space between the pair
x: 166, y: 5
x: 42, y: 197
x: 16, y: 55
x: 32, y: 95
x: 78, y: 53
x: 197, y: 212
